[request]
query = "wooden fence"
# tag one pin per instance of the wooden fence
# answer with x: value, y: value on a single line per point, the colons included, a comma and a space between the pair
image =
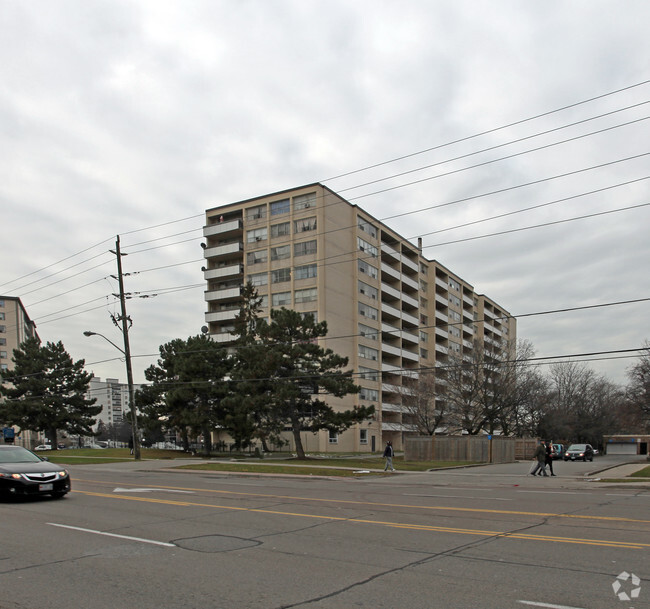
x: 477, y: 449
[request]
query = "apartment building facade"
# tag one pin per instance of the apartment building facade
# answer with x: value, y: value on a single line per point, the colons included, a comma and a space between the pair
x: 390, y: 310
x: 15, y: 328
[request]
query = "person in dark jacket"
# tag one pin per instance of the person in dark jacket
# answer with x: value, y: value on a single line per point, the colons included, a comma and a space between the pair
x: 388, y: 455
x: 550, y: 450
x: 540, y: 455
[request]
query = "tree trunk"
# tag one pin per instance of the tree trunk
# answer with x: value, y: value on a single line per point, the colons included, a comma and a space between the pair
x: 300, y: 451
x: 51, y: 436
x: 207, y: 441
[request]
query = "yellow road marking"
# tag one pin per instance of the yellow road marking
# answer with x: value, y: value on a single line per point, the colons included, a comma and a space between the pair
x: 505, y: 534
x: 378, y: 504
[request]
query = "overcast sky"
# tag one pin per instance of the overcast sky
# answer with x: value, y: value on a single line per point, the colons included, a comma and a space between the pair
x: 134, y: 117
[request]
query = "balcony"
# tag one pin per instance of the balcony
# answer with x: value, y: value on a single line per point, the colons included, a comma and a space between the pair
x: 223, y: 337
x: 224, y: 271
x: 390, y: 350
x: 410, y: 337
x: 222, y: 315
x: 410, y: 319
x: 389, y: 270
x: 224, y: 250
x: 390, y: 311
x: 409, y: 264
x: 412, y: 302
x: 389, y: 251
x: 386, y: 289
x: 213, y: 295
x: 410, y: 283
x: 409, y: 355
x: 223, y: 228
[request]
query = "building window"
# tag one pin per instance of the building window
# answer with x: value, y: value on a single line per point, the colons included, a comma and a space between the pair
x: 424, y: 286
x: 368, y: 352
x: 304, y: 248
x: 367, y: 311
x: 424, y: 337
x: 368, y: 374
x: 454, y: 331
x: 368, y: 332
x: 304, y: 201
x: 264, y: 301
x: 2, y: 316
x: 424, y: 353
x: 305, y: 272
x: 281, y: 275
x: 366, y: 227
x: 366, y: 248
x: 363, y: 436
x: 309, y: 295
x: 280, y: 230
x: 455, y: 315
x: 454, y: 300
x: 4, y: 367
x: 302, y: 226
x: 257, y: 257
x: 257, y: 234
x: 314, y: 314
x: 367, y: 269
x: 333, y: 437
x: 280, y: 207
x: 258, y: 279
x: 281, y: 299
x: 3, y: 329
x: 368, y: 394
x: 281, y: 252
x: 454, y: 285
x: 367, y: 290
x: 3, y: 355
x: 256, y: 213
x: 424, y: 269
x: 3, y: 342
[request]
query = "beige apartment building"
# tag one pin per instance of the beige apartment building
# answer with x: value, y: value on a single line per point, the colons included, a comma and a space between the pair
x: 15, y: 328
x: 390, y: 310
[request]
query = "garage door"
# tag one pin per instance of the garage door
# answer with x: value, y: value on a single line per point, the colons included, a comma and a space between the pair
x: 621, y: 448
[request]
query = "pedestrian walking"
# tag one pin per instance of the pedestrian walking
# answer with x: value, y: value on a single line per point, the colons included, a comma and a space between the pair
x: 550, y: 452
x: 388, y: 455
x: 540, y: 456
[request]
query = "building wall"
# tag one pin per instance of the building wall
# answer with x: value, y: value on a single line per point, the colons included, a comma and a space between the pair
x: 390, y: 310
x: 15, y: 328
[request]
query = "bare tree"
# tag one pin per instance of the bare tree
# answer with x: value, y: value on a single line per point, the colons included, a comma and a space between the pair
x: 419, y: 400
x: 638, y: 390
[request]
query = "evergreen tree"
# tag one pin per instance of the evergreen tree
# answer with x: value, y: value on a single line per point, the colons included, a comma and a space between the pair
x: 300, y: 371
x: 247, y: 407
x: 187, y: 387
x: 46, y: 391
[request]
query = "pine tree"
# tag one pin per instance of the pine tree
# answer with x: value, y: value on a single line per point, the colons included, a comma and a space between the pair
x: 46, y: 391
x: 187, y: 387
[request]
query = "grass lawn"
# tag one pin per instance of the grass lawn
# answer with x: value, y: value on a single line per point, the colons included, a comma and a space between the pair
x: 352, y: 466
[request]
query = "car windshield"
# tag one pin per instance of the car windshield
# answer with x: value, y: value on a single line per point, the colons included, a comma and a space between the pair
x: 578, y: 447
x: 17, y: 455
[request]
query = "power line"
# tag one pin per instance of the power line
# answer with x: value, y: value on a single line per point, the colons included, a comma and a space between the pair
x: 488, y: 131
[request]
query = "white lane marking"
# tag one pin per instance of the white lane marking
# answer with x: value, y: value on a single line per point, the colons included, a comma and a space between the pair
x: 552, y: 492
x: 140, y: 539
x: 149, y: 490
x: 551, y: 606
x: 459, y: 497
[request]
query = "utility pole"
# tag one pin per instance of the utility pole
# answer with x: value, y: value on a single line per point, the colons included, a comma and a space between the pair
x: 127, y: 351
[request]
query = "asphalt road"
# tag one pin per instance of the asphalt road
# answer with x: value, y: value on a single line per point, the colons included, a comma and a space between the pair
x: 139, y: 536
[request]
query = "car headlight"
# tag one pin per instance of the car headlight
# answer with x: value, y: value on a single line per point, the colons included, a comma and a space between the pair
x: 62, y: 473
x: 17, y: 476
